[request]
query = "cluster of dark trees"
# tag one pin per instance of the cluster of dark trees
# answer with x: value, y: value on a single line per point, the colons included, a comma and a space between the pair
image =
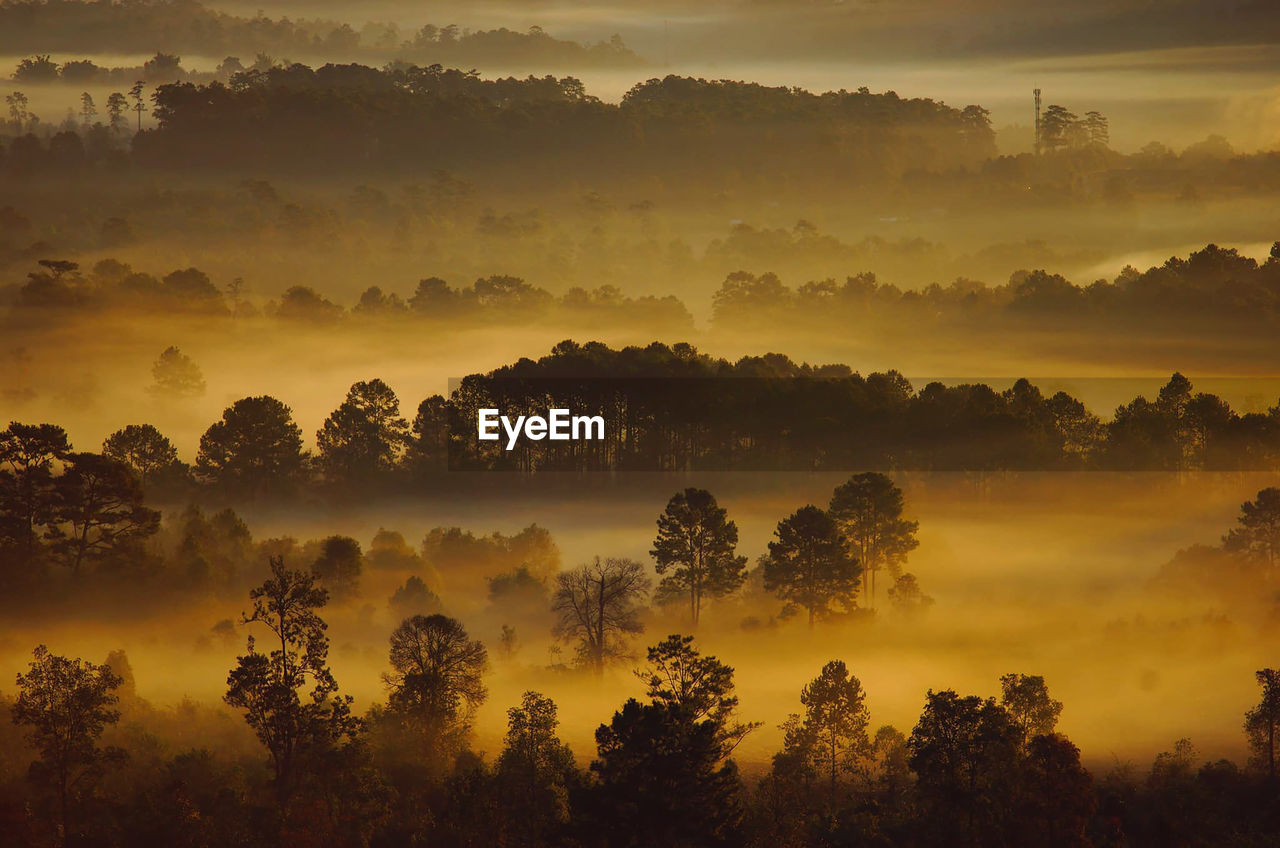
x: 1242, y: 568
x: 138, y: 26
x: 88, y: 512
x: 1210, y: 291
x: 973, y: 771
x: 672, y: 408
x: 59, y: 289
x: 162, y: 67
x: 406, y: 116
x: 1061, y: 128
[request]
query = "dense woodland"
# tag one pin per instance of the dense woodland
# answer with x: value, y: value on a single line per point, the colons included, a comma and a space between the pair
x: 289, y: 758
x: 670, y: 408
x: 89, y: 762
x: 430, y: 117
x: 136, y: 26
x: 1212, y: 295
x: 882, y: 656
x: 405, y: 117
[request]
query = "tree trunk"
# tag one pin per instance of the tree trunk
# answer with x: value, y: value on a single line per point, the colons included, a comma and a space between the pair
x: 1271, y: 746
x: 600, y: 631
x: 62, y: 805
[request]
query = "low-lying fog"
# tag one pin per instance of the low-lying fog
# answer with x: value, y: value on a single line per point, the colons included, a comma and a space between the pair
x: 1046, y: 574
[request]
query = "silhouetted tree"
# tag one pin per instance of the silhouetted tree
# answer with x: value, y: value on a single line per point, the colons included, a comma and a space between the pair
x: 964, y: 752
x: 809, y: 566
x: 364, y: 437
x: 117, y: 105
x: 598, y: 605
x: 868, y: 510
x: 66, y: 704
x: 1026, y: 699
x: 1259, y: 532
x: 142, y: 448
x: 518, y: 593
x: 176, y: 375
x: 1056, y: 127
x: 906, y: 596
x: 890, y: 770
x: 27, y: 497
x: 99, y: 514
x: 428, y: 446
x: 661, y: 782
x: 339, y: 566
x: 509, y: 642
x: 139, y: 106
x: 831, y: 735
x: 289, y: 695
x: 1056, y: 799
x: 1262, y: 723
x: 1097, y: 128
x: 535, y: 771
x: 700, y: 686
x: 256, y: 448
x: 414, y: 598
x: 88, y: 111
x: 436, y: 679
x: 388, y: 551
x: 697, y: 542
x: 18, y: 108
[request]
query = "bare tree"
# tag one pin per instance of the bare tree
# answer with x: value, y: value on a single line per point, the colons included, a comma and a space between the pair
x: 599, y: 605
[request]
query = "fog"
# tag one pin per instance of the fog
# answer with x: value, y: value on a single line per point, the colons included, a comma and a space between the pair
x: 1019, y: 586
x: 262, y: 300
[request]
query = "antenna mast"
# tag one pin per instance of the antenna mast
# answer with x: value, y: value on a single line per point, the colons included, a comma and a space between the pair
x: 1037, y: 93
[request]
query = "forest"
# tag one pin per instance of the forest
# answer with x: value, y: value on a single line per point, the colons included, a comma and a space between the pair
x: 298, y: 760
x: 937, y: 502
x: 135, y: 26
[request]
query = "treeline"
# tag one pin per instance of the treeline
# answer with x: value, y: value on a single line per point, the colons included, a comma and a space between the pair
x: 671, y: 408
x: 85, y: 516
x: 297, y: 118
x: 974, y: 770
x: 116, y: 27
x: 75, y: 509
x: 59, y: 290
x: 1209, y: 291
x: 82, y: 761
x: 162, y: 67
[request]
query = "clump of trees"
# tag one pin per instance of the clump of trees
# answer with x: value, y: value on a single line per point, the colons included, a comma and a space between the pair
x: 62, y: 289
x: 973, y: 770
x: 1060, y: 128
x: 1214, y: 294
x: 59, y: 507
x: 866, y: 138
x: 830, y: 417
x: 1241, y: 569
x: 1211, y: 292
x: 64, y: 705
x: 77, y: 26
